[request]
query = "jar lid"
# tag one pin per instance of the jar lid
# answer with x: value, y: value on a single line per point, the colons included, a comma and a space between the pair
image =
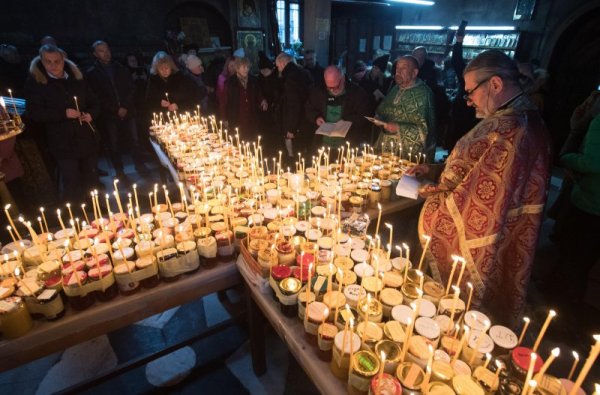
x: 402, y: 314
x: 356, y: 243
x: 441, y: 355
x: 373, y: 332
x: 325, y: 243
x: 354, y: 292
x: 410, y: 290
x: 442, y: 370
x: 328, y: 331
x: 521, y: 357
x: 444, y: 322
x: 465, y: 385
x: 400, y: 263
x: 372, y: 284
x: 439, y: 388
x: 10, y: 304
x: 410, y: 375
x: 280, y: 272
x: 419, y: 347
x: 334, y: 299
x: 446, y: 304
x: 343, y: 263
x: 359, y: 256
x: 434, y: 289
x: 394, y: 331
x: 348, y: 277
x: 353, y: 341
x: 302, y: 297
x: 343, y: 250
x: 503, y: 337
x: 363, y: 270
x: 461, y: 368
x: 426, y: 308
x: 389, y: 385
x: 476, y: 320
x: 290, y: 285
x: 427, y: 327
x: 365, y: 363
x: 317, y: 311
x: 390, y: 348
x: 390, y: 296
x: 392, y: 279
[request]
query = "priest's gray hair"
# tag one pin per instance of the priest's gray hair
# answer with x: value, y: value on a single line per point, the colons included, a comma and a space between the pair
x: 494, y: 63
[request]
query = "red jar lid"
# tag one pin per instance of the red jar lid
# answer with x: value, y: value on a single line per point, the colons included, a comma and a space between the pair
x: 52, y: 281
x: 88, y: 233
x: 284, y: 247
x: 105, y: 237
x: 389, y: 385
x: 280, y: 272
x: 521, y: 357
x: 305, y: 259
x: 301, y: 273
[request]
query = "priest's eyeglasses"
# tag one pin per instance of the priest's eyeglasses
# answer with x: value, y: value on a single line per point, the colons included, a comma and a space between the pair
x: 468, y: 93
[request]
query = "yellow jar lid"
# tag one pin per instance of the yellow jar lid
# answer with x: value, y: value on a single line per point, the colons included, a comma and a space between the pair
x: 442, y: 370
x: 410, y: 375
x: 391, y: 297
x: 434, y: 289
x: 465, y: 385
x: 439, y: 388
x: 419, y: 347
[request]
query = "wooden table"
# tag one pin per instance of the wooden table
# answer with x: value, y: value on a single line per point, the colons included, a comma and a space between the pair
x: 78, y: 326
x: 262, y: 307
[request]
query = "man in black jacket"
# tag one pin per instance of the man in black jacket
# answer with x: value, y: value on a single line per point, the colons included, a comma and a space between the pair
x: 58, y: 97
x: 340, y: 100
x: 296, y: 83
x: 113, y: 84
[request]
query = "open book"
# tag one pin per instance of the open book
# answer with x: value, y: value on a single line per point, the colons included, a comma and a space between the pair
x: 408, y: 186
x: 338, y: 129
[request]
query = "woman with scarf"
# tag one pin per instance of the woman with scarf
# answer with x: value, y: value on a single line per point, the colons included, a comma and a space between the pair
x: 244, y: 101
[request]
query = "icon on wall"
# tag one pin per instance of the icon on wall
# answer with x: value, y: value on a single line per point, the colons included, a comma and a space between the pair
x: 524, y: 10
x: 248, y: 13
x: 252, y: 41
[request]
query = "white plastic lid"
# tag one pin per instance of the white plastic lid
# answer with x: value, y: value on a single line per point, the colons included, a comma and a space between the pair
x: 503, y: 337
x: 427, y: 327
x: 426, y: 308
x: 353, y: 342
x: 402, y: 314
x: 476, y: 320
x: 354, y: 292
x: 486, y: 344
x: 364, y: 270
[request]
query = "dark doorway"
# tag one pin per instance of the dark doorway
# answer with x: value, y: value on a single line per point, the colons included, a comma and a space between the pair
x: 574, y: 72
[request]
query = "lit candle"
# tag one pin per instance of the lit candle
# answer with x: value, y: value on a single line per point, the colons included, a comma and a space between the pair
x: 488, y: 358
x: 391, y: 228
x: 551, y: 314
x: 44, y: 219
x: 454, y: 262
x: 6, y: 208
x: 427, y: 240
x: 575, y: 362
x: 470, y: 286
x: 454, y: 304
x: 461, y: 344
x: 555, y: 353
x: 532, y: 360
x: 463, y: 265
x: 378, y: 219
x: 527, y: 321
x: 499, y: 367
x: 62, y: 225
x: 587, y: 365
x: 77, y: 107
x: 84, y: 213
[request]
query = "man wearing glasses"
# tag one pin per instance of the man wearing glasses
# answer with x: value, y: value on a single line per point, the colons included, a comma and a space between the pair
x: 339, y: 100
x: 487, y: 202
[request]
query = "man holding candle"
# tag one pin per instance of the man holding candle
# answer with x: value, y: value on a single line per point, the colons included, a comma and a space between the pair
x: 53, y: 84
x: 114, y: 87
x: 488, y: 202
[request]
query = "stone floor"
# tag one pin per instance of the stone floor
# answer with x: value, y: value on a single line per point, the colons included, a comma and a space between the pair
x: 221, y: 363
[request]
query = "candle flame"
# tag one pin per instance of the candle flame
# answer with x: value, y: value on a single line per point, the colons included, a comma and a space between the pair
x: 575, y: 355
x: 556, y: 352
x: 526, y: 319
x: 17, y: 271
x: 2, y: 102
x: 470, y: 285
x: 552, y: 313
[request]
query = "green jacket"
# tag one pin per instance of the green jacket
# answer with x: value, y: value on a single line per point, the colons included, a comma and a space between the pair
x: 586, y: 192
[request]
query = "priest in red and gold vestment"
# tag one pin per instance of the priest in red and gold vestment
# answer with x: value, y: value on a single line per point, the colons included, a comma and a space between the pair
x: 487, y: 202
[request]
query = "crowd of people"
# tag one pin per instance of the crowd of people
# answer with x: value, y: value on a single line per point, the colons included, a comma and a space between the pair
x: 486, y: 201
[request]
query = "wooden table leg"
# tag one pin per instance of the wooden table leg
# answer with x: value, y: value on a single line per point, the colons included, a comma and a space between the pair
x: 256, y: 322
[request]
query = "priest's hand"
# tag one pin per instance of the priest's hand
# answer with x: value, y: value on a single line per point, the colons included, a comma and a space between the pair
x: 391, y: 127
x: 320, y: 121
x: 164, y: 103
x: 85, y: 117
x: 71, y: 113
x: 418, y: 170
x: 173, y: 107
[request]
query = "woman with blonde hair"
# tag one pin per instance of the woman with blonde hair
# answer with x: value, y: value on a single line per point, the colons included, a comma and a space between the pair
x: 168, y: 88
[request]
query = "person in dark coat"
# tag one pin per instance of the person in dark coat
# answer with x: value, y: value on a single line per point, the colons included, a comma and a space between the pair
x: 113, y: 84
x: 313, y: 67
x: 269, y: 85
x: 245, y: 101
x: 340, y: 100
x: 296, y: 83
x: 168, y: 88
x: 59, y: 97
x: 374, y: 80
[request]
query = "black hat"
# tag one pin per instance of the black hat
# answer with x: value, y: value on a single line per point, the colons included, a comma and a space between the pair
x: 381, y: 62
x: 359, y: 66
x: 263, y: 61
